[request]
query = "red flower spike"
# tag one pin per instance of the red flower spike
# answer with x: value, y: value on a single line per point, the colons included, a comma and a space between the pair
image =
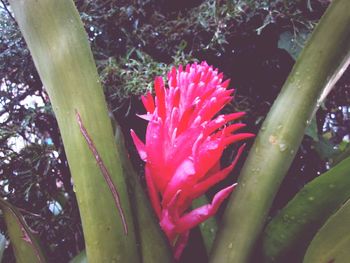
x: 184, y: 145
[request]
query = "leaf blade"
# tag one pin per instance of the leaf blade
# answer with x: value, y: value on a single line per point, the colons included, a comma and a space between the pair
x: 331, y: 243
x: 26, y: 246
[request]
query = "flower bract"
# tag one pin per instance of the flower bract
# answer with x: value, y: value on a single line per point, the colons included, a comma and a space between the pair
x: 185, y: 139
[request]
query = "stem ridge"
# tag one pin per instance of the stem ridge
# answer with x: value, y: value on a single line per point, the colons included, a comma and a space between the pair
x: 103, y: 169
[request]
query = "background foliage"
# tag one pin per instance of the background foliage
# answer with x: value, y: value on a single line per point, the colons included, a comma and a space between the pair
x: 254, y: 43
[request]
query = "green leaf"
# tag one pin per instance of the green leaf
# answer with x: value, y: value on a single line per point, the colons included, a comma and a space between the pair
x: 80, y: 258
x: 288, y: 234
x: 25, y: 245
x: 332, y: 242
x: 60, y: 49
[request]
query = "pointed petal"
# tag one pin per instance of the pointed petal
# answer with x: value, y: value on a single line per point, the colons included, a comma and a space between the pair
x: 176, y: 97
x: 182, y: 146
x: 220, y: 76
x: 146, y: 117
x: 200, y: 188
x: 234, y: 116
x: 216, y: 168
x: 148, y: 102
x: 152, y: 192
x: 202, y: 213
x: 172, y: 77
x: 140, y: 146
x: 227, y: 131
x: 203, y: 186
x: 183, y: 179
x: 208, y: 154
x: 155, y: 141
x: 226, y: 83
x: 170, y: 215
x: 221, y: 120
x: 234, y: 127
x: 204, y: 97
x: 214, y: 125
x: 238, y: 137
x: 215, y: 104
x: 174, y: 120
x: 173, y: 208
x: 160, y: 94
x: 186, y: 117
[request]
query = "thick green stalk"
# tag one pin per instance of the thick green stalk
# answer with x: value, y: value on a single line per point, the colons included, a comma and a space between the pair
x: 152, y: 243
x: 321, y: 63
x: 288, y: 234
x: 60, y: 49
x: 25, y: 245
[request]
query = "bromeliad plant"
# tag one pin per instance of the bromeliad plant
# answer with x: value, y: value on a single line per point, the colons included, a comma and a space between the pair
x: 183, y: 145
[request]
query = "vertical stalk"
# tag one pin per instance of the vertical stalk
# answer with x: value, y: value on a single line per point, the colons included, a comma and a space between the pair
x: 152, y: 242
x: 60, y: 49
x: 321, y: 63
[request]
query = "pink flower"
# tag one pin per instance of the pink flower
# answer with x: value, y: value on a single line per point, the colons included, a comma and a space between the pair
x: 184, y: 142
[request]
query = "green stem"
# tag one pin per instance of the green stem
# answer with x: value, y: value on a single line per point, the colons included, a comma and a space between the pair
x: 321, y: 63
x: 60, y: 49
x: 153, y: 244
